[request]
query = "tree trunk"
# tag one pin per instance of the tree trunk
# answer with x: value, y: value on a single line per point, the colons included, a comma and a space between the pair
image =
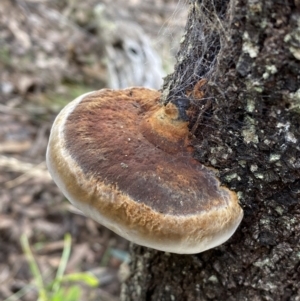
x: 247, y: 127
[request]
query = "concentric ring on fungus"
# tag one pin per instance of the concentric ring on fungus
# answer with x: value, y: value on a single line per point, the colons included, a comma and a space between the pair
x: 124, y: 160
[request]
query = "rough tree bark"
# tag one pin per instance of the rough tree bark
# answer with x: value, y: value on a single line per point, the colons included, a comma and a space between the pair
x: 248, y: 129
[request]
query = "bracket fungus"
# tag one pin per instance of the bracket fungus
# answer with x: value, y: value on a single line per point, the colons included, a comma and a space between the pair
x: 125, y: 160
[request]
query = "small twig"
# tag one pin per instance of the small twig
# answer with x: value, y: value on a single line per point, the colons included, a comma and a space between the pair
x: 29, y: 170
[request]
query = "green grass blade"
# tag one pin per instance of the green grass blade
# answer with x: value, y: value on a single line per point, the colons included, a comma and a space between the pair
x: 86, y: 278
x: 63, y: 262
x: 34, y: 268
x: 68, y: 294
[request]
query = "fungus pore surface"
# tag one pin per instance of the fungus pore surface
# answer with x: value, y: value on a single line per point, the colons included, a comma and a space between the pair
x: 125, y: 160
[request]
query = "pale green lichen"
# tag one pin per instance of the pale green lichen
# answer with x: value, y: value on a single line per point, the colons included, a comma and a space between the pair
x: 264, y: 23
x: 290, y: 137
x: 213, y: 162
x: 253, y: 167
x: 295, y: 51
x: 240, y: 195
x: 289, y: 223
x: 262, y: 263
x: 259, y: 89
x: 248, y: 46
x: 283, y: 126
x: 249, y: 135
x: 293, y: 41
x: 265, y: 221
x: 225, y: 156
x: 274, y: 157
x: 255, y: 7
x: 231, y: 177
x: 249, y: 132
x: 213, y: 279
x: 215, y: 150
x: 242, y: 163
x: 250, y: 105
x: 259, y: 176
x: 254, y: 85
x: 279, y: 210
x: 271, y: 69
x: 294, y: 100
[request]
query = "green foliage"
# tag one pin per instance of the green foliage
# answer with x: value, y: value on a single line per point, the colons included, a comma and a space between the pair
x: 63, y: 287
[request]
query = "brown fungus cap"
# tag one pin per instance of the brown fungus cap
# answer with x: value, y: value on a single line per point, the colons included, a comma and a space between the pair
x: 123, y: 159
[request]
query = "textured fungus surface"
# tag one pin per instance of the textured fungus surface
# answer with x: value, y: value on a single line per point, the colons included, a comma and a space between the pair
x: 125, y: 160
